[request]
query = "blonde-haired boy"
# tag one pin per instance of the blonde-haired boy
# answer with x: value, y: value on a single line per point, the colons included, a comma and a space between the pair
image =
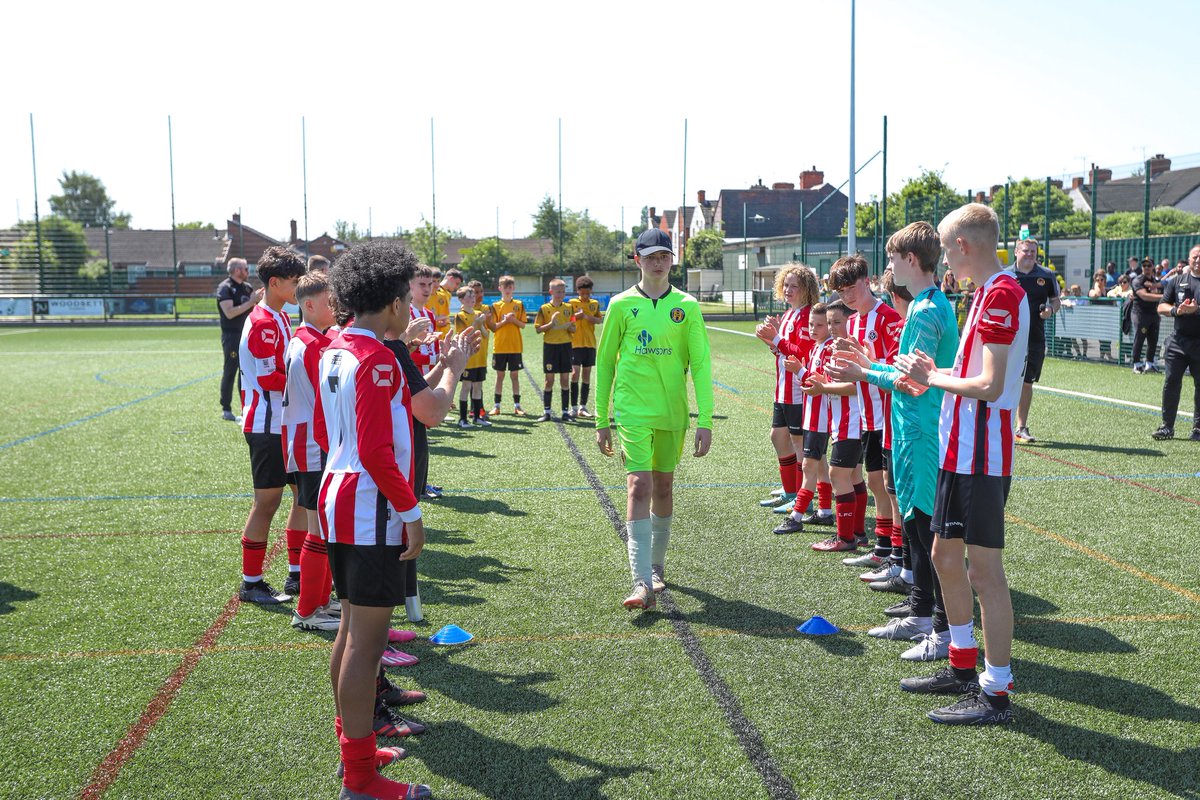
x: 555, y: 321
x: 976, y: 450
x: 508, y: 319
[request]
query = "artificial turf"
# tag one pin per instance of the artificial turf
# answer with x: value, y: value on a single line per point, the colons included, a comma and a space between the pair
x: 122, y: 495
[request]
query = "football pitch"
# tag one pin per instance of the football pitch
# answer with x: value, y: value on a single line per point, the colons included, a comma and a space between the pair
x: 128, y: 669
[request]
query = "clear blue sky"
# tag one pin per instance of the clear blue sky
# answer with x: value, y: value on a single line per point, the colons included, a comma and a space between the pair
x: 982, y: 90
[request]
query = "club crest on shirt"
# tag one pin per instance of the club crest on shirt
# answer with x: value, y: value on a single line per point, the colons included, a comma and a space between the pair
x: 381, y: 374
x: 677, y: 314
x: 1041, y: 281
x: 872, y: 336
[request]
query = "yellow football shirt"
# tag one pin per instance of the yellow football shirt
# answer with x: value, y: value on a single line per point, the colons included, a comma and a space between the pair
x: 439, y: 304
x: 508, y: 337
x: 585, y: 331
x: 545, y: 314
x: 465, y: 319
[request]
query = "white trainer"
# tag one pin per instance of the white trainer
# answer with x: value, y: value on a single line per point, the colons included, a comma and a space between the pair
x: 927, y: 648
x: 642, y: 597
x: 316, y: 621
x: 903, y: 629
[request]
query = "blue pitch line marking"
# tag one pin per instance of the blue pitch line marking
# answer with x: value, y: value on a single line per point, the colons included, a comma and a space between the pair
x: 720, y: 385
x: 106, y: 411
x: 472, y: 490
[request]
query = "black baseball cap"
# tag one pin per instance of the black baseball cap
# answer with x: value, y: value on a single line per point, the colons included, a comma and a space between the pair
x: 653, y: 240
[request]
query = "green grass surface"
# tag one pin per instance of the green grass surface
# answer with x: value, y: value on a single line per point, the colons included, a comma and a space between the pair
x: 122, y: 495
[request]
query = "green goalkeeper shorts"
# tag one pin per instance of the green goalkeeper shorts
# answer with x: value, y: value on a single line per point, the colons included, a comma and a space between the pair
x: 646, y: 449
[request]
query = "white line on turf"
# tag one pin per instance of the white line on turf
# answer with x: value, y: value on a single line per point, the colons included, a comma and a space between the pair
x: 1096, y: 397
x: 17, y: 333
x: 729, y: 330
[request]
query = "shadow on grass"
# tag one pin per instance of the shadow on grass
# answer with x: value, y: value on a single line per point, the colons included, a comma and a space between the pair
x: 471, y: 505
x: 449, y: 578
x: 753, y: 620
x: 498, y: 769
x: 1104, y: 692
x: 10, y: 594
x: 1096, y: 448
x: 1172, y: 771
x: 1060, y: 634
x: 457, y: 452
x: 488, y: 691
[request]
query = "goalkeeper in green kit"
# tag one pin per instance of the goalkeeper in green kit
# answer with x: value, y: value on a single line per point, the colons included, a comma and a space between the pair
x: 653, y: 335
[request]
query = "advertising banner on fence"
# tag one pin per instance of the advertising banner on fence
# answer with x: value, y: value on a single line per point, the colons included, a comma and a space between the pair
x: 15, y: 307
x: 69, y: 307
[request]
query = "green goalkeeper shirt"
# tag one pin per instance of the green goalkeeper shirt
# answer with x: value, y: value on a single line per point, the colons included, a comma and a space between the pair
x: 646, y: 349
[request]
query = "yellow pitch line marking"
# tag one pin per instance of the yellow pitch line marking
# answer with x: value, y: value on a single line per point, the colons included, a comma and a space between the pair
x: 1107, y: 559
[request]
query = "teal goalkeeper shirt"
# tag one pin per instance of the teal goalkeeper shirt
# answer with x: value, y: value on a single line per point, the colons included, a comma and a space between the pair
x: 932, y: 328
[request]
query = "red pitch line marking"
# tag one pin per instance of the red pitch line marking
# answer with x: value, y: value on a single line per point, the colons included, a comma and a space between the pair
x: 1115, y: 478
x: 111, y: 534
x: 108, y: 770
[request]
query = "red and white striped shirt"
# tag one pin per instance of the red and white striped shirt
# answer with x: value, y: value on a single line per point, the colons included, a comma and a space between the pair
x: 426, y: 356
x: 794, y: 339
x: 816, y: 408
x: 879, y: 332
x: 301, y: 447
x: 844, y: 412
x: 366, y: 494
x: 976, y: 438
x: 261, y: 361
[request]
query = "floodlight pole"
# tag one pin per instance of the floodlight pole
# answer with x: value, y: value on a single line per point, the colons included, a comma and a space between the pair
x: 174, y: 249
x: 560, y: 206
x: 682, y: 208
x: 304, y: 174
x: 37, y: 220
x: 851, y: 218
x: 433, y: 190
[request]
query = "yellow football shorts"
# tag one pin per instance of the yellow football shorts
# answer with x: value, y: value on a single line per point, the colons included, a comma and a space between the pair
x: 646, y: 449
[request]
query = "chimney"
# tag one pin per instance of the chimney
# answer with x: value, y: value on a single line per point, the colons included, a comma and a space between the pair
x: 237, y: 218
x: 652, y: 215
x: 1100, y: 175
x: 980, y: 197
x: 759, y: 185
x: 811, y: 178
x: 700, y: 197
x: 1076, y: 183
x: 1159, y: 165
x: 293, y: 240
x: 782, y: 185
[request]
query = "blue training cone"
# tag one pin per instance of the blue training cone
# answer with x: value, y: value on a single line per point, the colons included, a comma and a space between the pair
x: 451, y: 634
x: 817, y: 626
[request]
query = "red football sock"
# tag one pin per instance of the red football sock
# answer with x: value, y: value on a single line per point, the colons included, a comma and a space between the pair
x: 883, y: 533
x: 383, y: 757
x: 845, y: 517
x: 897, y: 534
x: 787, y: 473
x: 358, y: 760
x: 295, y: 541
x: 253, y: 556
x: 314, y: 572
x: 860, y: 509
x: 964, y: 657
x: 803, y: 498
x: 824, y: 496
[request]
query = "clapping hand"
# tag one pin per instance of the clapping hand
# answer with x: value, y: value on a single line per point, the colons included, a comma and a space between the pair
x: 916, y: 365
x: 792, y: 364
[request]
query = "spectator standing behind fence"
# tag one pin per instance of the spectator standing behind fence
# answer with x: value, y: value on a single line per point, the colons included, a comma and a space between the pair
x: 1099, y: 291
x: 235, y: 298
x: 1147, y: 294
x: 1183, y: 348
x: 1110, y: 274
x: 1122, y: 290
x: 949, y: 285
x: 1041, y: 292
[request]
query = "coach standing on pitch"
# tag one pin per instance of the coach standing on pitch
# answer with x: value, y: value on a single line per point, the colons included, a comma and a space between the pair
x: 1179, y: 297
x: 235, y: 298
x: 1041, y: 292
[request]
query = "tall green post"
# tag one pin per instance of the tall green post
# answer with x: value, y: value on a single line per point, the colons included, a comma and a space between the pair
x: 1046, y: 223
x: 745, y: 258
x: 1092, y: 232
x: 884, y: 190
x: 1146, y: 215
x: 1007, y: 195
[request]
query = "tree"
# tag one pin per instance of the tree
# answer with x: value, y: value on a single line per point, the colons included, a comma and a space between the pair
x: 429, y: 242
x: 347, y: 231
x: 546, y: 224
x: 1075, y: 225
x: 64, y: 252
x: 703, y: 250
x: 1028, y: 207
x: 927, y: 197
x: 487, y: 261
x: 193, y: 226
x: 85, y: 200
x: 1163, y: 221
x: 591, y: 245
